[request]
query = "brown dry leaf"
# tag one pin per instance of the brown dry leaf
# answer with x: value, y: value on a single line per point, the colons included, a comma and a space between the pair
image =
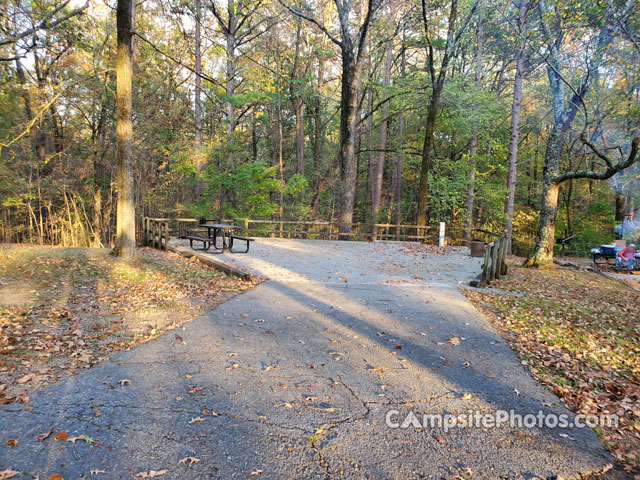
x: 55, y: 476
x: 26, y: 378
x: 454, y: 341
x: 12, y: 442
x: 191, y: 460
x: 375, y: 370
x: 61, y: 436
x: 197, y: 419
x: 44, y: 436
x: 152, y: 473
x: 8, y: 473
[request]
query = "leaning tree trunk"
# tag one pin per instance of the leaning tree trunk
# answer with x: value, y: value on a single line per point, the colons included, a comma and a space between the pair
x: 126, y: 220
x: 543, y: 251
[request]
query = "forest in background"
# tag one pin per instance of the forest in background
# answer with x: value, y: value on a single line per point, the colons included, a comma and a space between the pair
x: 391, y: 111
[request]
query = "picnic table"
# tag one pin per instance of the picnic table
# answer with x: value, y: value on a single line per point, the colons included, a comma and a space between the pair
x: 222, y: 230
x: 219, y: 230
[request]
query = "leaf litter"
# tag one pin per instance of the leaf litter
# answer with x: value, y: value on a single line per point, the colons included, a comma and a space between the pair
x: 79, y: 305
x: 579, y: 334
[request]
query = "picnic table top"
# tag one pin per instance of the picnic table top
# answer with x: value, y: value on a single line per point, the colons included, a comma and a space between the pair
x: 221, y: 226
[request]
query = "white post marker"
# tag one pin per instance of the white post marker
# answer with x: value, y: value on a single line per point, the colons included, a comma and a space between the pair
x: 441, y: 235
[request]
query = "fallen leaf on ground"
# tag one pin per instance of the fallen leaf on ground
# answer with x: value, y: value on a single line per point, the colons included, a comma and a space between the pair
x: 8, y: 473
x: 61, y: 436
x: 86, y: 438
x: 55, y: 476
x: 152, y: 473
x: 12, y: 442
x: 44, y: 436
x: 26, y: 378
x: 454, y: 341
x: 197, y: 419
x: 124, y: 382
x: 191, y: 460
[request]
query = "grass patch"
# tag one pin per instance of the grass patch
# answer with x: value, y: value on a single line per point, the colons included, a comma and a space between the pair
x: 580, y: 335
x: 65, y: 309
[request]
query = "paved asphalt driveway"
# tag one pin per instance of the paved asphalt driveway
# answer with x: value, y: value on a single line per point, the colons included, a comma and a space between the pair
x: 296, y: 378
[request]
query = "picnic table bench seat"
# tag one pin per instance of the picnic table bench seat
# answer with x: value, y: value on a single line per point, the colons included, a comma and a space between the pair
x: 206, y: 242
x: 238, y: 237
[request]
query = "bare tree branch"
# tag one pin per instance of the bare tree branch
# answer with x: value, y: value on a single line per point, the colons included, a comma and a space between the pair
x: 175, y: 60
x: 314, y: 21
x: 46, y: 23
x: 611, y: 168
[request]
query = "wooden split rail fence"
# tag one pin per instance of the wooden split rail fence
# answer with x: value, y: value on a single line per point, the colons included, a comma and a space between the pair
x: 154, y: 229
x: 494, y: 265
x: 155, y: 233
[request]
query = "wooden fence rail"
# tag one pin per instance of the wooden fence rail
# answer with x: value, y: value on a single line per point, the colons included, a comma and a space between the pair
x: 305, y: 229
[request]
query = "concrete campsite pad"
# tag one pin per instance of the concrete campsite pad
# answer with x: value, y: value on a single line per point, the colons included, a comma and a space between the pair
x: 296, y: 378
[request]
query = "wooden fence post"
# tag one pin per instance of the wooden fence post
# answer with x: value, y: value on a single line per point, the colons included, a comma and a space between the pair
x: 156, y: 234
x: 504, y: 258
x: 485, y: 265
x: 166, y: 236
x: 144, y: 231
x: 494, y: 260
x: 499, y: 258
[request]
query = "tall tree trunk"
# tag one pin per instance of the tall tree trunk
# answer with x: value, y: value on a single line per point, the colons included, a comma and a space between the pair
x: 437, y: 84
x: 397, y: 184
x: 370, y: 164
x: 97, y: 195
x: 319, y: 181
x: 349, y: 116
x: 514, y: 128
x: 300, y: 140
x: 568, y: 208
x: 427, y: 157
x: 197, y: 111
x: 473, y: 143
x: 126, y: 221
x: 384, y: 121
x: 230, y: 90
x: 621, y: 202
